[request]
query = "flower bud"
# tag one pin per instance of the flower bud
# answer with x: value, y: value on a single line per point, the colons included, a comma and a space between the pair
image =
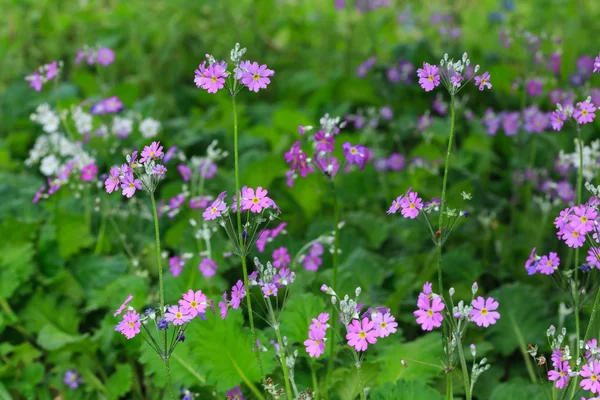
x: 474, y: 288
x: 473, y: 350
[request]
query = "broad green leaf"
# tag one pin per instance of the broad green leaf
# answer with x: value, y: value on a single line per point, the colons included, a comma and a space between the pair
x: 298, y: 314
x: 16, y: 266
x: 520, y: 391
x: 52, y: 338
x: 73, y: 234
x: 404, y: 390
x: 119, y: 383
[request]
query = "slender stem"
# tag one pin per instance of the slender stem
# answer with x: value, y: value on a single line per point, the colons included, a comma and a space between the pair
x: 315, y: 383
x: 449, y: 394
x: 286, y: 377
x: 161, y: 293
x: 360, y: 378
x: 100, y: 239
x: 463, y: 364
x: 336, y: 221
x: 241, y: 241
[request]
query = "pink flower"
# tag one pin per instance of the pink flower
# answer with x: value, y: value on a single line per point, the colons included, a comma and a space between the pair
x: 105, y: 56
x: 593, y: 257
x: 193, y: 303
x: 315, y: 344
x: 269, y: 289
x: 120, y: 310
x: 159, y: 170
x: 361, y: 335
x: 483, y: 313
x: 325, y: 143
x: 214, y: 210
x: 262, y: 240
x: 178, y: 315
x: 89, y: 172
x: 385, y: 324
x: 185, y: 171
x: 320, y: 323
x: 281, y: 257
x: 51, y: 70
x: 214, y: 78
x: 238, y: 292
x: 255, y: 201
x: 130, y: 325
x: 312, y: 263
x: 256, y: 77
x: 560, y: 375
x: 429, y: 314
x: 112, y: 182
x: 563, y: 218
x: 208, y: 267
x: 427, y: 288
x: 355, y: 154
x: 582, y: 219
x: 584, y: 112
x: 35, y: 81
x: 176, y: 265
x: 597, y: 64
x: 571, y: 237
x: 224, y: 306
x: 130, y: 185
x: 153, y: 152
x: 429, y: 77
x: 557, y: 120
x: 411, y: 205
x: 548, y: 264
x: 395, y: 205
x: 591, y: 372
x: 483, y: 81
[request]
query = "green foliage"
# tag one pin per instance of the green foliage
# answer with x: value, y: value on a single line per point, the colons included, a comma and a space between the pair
x: 404, y: 390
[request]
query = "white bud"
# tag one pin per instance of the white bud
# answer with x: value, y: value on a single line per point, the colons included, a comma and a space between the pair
x: 357, y: 291
x: 451, y: 291
x: 476, y: 68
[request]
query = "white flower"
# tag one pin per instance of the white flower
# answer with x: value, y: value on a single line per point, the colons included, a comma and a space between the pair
x: 49, y: 165
x: 149, y: 128
x: 83, y: 121
x: 122, y: 127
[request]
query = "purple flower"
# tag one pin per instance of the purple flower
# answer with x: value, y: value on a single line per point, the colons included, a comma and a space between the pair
x: 130, y: 325
x: 281, y: 257
x: 584, y: 112
x: 356, y: 154
x: 557, y: 120
x: 560, y: 375
x: 429, y: 314
x: 163, y: 324
x: 429, y: 77
x: 211, y: 79
x: 269, y: 289
x: 208, y: 267
x: 89, y: 172
x: 185, y: 171
x: 548, y: 264
x: 534, y: 87
x: 159, y: 170
x: 365, y: 67
x: 411, y: 204
x: 152, y: 152
x: 224, y: 306
x: 315, y: 344
x: 483, y: 81
x: 483, y: 313
x: 105, y: 56
x: 178, y: 315
x: 72, y: 379
x: 112, y: 105
x: 35, y: 81
x: 360, y: 335
x: 256, y: 77
x: 176, y: 265
x: 238, y: 292
x: 130, y: 185
x: 325, y: 142
x: 511, y: 121
x: 585, y: 66
x: 591, y: 373
x: 235, y: 393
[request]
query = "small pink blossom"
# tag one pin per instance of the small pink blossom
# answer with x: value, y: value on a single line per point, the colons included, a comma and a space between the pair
x: 483, y: 313
x: 178, y: 315
x: 429, y: 77
x: 152, y: 152
x: 429, y: 314
x: 281, y: 257
x: 255, y: 201
x: 560, y: 375
x: 120, y: 310
x: 483, y: 81
x: 238, y: 292
x: 320, y: 323
x: 208, y: 267
x: 548, y: 264
x: 592, y: 374
x: 194, y: 303
x: 315, y: 344
x: 584, y: 112
x: 360, y: 335
x: 256, y: 77
x: 224, y: 306
x: 112, y: 182
x: 130, y: 325
x: 411, y: 204
x: 385, y: 324
x: 130, y: 185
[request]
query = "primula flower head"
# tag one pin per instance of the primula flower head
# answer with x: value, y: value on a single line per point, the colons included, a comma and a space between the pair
x: 385, y: 324
x: 355, y: 154
x: 560, y: 374
x: 281, y: 257
x: 548, y: 264
x: 255, y: 201
x: 584, y: 112
x: 411, y: 204
x: 483, y: 313
x: 429, y: 314
x: 130, y: 325
x: 105, y: 56
x: 483, y: 81
x: 361, y: 334
x: 429, y: 77
x: 256, y: 76
x: 178, y: 315
x: 315, y: 344
x: 72, y: 379
x: 591, y: 373
x: 194, y: 303
x: 208, y: 267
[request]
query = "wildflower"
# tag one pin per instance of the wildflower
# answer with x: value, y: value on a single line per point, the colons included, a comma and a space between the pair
x: 483, y: 81
x: 593, y: 257
x: 429, y: 77
x: 557, y: 120
x: 483, y: 313
x: 560, y: 374
x: 427, y: 288
x: 571, y: 237
x: 591, y: 372
x: 411, y: 204
x: 35, y: 81
x: 224, y: 306
x: 356, y: 154
x: 176, y: 265
x: 130, y: 185
x: 163, y: 324
x: 149, y: 128
x: 214, y: 210
x: 208, y: 267
x: 548, y: 264
x: 178, y: 315
x: 72, y: 379
x: 312, y: 263
x: 385, y: 324
x: 214, y: 78
x: 255, y: 201
x: 315, y: 344
x: 364, y: 68
x: 130, y: 325
x: 429, y: 314
x: 111, y: 105
x: 256, y: 77
x: 122, y: 307
x: 583, y: 219
x: 238, y: 292
x: 105, y: 56
x: 325, y: 142
x: 194, y: 303
x: 152, y: 152
x: 584, y: 112
x: 159, y: 170
x: 597, y: 64
x: 269, y: 289
x: 320, y: 323
x: 281, y: 257
x: 235, y: 393
x: 360, y: 335
x: 534, y: 87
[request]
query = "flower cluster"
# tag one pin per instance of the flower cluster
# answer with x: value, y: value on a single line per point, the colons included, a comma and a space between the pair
x: 410, y: 203
x: 582, y: 113
x: 110, y: 105
x: 453, y: 75
x: 135, y: 175
x: 214, y: 76
x: 98, y: 55
x: 268, y: 235
x: 315, y: 344
x: 546, y: 264
x: 574, y: 224
x: 44, y: 74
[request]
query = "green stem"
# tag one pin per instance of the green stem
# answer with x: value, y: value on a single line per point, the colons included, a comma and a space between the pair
x: 161, y: 293
x: 315, y: 383
x: 100, y: 239
x: 286, y: 377
x: 522, y: 347
x: 360, y: 378
x: 463, y: 364
x: 336, y: 222
x: 449, y: 394
x: 241, y: 241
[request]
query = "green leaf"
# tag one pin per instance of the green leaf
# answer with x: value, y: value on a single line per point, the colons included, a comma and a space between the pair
x: 16, y: 266
x: 73, y: 234
x: 406, y: 391
x: 298, y: 314
x: 119, y: 383
x: 52, y: 338
x: 520, y: 391
x: 97, y: 271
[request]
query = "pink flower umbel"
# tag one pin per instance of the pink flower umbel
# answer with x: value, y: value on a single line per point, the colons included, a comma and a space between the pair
x: 483, y: 313
x: 320, y: 323
x: 130, y: 325
x: 178, y: 315
x: 560, y: 375
x: 194, y: 303
x: 548, y: 264
x: 483, y: 81
x: 224, y: 306
x: 315, y: 344
x: 238, y: 292
x: 281, y: 257
x: 256, y: 77
x: 584, y: 112
x: 592, y: 374
x: 429, y: 314
x: 120, y: 310
x: 411, y: 204
x: 255, y: 201
x: 360, y: 335
x: 208, y: 267
x: 429, y: 77
x: 154, y: 151
x: 130, y: 185
x: 112, y: 182
x: 385, y: 324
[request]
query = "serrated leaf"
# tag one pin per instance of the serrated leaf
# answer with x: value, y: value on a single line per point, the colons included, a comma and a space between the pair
x: 520, y: 391
x: 16, y: 266
x: 119, y: 383
x: 52, y: 338
x: 73, y: 234
x: 406, y: 391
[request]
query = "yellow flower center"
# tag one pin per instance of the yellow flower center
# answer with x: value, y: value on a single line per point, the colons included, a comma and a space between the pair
x: 484, y: 311
x: 412, y: 205
x: 178, y: 315
x: 594, y: 378
x: 213, y: 79
x: 255, y: 200
x: 583, y: 220
x: 430, y: 313
x: 362, y: 335
x: 549, y: 263
x: 575, y: 234
x: 430, y: 78
x: 131, y: 324
x: 317, y: 342
x: 131, y: 185
x: 256, y: 77
x: 151, y: 154
x: 194, y: 304
x: 562, y: 374
x: 213, y: 210
x: 383, y: 325
x: 353, y: 151
x: 584, y: 112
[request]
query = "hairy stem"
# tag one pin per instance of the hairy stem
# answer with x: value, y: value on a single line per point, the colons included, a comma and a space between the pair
x: 241, y: 241
x: 463, y: 364
x: 336, y: 222
x: 286, y: 377
x: 360, y: 378
x: 449, y: 394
